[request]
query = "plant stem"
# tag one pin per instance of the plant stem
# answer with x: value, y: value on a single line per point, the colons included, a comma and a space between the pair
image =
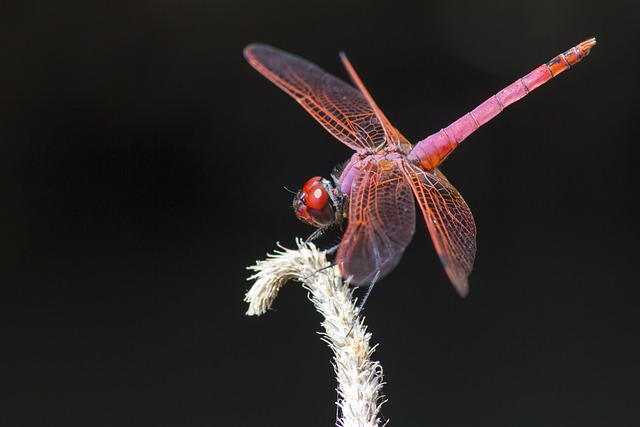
x: 359, y: 378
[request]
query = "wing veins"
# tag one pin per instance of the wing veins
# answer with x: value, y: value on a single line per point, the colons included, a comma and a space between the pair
x: 340, y: 108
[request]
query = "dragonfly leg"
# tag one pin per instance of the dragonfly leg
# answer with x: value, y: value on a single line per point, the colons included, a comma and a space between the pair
x: 369, y: 289
x: 333, y: 249
x: 366, y: 297
x: 319, y: 232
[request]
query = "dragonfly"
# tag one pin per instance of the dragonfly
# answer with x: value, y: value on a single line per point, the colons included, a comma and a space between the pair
x: 374, y: 191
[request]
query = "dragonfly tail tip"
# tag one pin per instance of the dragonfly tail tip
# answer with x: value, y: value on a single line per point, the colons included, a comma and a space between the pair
x: 585, y: 46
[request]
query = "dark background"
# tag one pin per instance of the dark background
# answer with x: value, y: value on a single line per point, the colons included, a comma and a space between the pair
x: 142, y: 166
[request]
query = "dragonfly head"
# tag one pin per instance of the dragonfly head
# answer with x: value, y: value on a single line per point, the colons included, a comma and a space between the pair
x: 319, y: 203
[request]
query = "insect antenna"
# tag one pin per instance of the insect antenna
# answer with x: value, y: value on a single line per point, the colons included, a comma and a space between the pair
x: 290, y: 191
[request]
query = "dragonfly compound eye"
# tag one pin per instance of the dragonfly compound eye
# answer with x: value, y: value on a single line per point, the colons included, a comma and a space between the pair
x: 311, y: 183
x: 317, y: 197
x: 311, y: 204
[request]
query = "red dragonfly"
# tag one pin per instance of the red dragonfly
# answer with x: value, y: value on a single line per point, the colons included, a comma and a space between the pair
x: 376, y: 188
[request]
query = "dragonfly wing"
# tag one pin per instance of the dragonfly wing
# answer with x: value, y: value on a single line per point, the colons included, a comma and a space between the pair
x: 338, y: 107
x: 449, y: 221
x: 395, y: 138
x: 382, y: 220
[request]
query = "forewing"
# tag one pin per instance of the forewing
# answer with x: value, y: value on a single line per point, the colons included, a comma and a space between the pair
x: 449, y: 221
x: 338, y: 107
x: 393, y: 135
x: 382, y: 220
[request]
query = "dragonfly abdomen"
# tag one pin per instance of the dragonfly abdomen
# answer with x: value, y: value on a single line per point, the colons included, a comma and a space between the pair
x: 431, y: 151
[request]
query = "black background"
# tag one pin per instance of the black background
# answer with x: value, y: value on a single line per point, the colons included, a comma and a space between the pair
x: 143, y: 164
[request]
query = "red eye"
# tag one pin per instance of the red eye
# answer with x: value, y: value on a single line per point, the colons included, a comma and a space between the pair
x: 313, y: 181
x: 313, y: 203
x: 317, y: 197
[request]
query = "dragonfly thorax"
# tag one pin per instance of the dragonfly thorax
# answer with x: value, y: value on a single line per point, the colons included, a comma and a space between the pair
x: 319, y: 203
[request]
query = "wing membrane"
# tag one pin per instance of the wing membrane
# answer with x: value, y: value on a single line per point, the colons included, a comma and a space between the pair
x: 338, y: 107
x: 382, y: 220
x: 450, y: 223
x: 394, y: 136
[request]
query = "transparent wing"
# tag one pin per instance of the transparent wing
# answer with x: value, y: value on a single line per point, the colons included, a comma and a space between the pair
x: 394, y: 136
x: 450, y: 223
x: 338, y: 107
x: 382, y: 221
